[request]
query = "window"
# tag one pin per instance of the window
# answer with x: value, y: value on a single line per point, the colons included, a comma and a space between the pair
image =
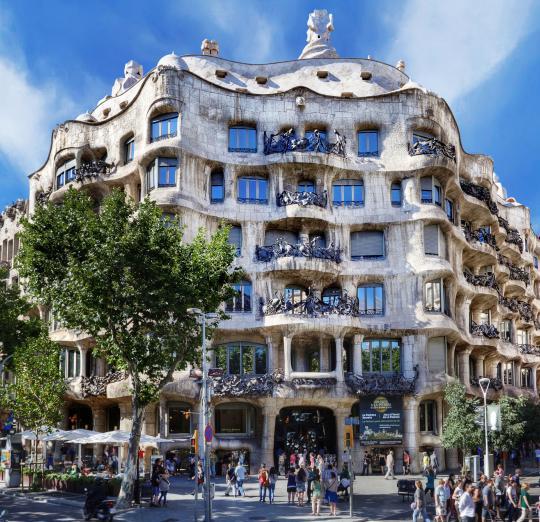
x: 271, y: 237
x: 161, y: 173
x: 421, y: 136
x: 535, y: 262
x: 371, y: 299
x: 306, y: 186
x: 129, y: 149
x: 217, y: 187
x: 295, y: 295
x: 395, y: 194
x: 241, y: 302
x: 241, y: 358
x: 431, y: 191
x: 436, y: 351
x: 71, y: 361
x: 66, y: 173
x: 242, y: 139
x: 433, y: 292
x: 449, y: 209
x: 381, y: 356
x: 318, y: 239
x: 180, y: 418
x: 484, y: 317
x: 526, y: 378
x: 169, y: 219
x: 508, y: 372
x: 252, y: 189
x: 428, y: 416
x: 331, y: 296
x: 522, y: 336
x: 368, y: 244
x: 348, y: 193
x: 368, y: 143
x: 235, y: 238
x: 235, y: 419
x: 505, y: 330
x: 164, y: 126
x: 433, y: 241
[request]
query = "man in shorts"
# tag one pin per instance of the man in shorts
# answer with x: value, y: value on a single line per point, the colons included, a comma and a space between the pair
x: 488, y: 501
x: 440, y: 502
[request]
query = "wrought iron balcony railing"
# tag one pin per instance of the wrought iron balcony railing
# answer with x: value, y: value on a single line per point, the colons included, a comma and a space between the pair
x: 512, y: 235
x: 282, y: 248
x: 515, y: 305
x: 480, y: 193
x: 433, y: 147
x: 95, y: 386
x: 494, y: 383
x: 389, y: 384
x: 487, y: 330
x: 529, y: 349
x: 311, y: 306
x: 286, y: 141
x: 480, y: 235
x: 516, y: 273
x: 92, y: 169
x: 487, y: 280
x: 302, y: 198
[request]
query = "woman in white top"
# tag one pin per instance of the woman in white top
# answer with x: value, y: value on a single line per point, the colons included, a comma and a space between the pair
x: 466, y: 505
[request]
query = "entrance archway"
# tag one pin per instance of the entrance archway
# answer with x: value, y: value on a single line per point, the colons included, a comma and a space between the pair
x: 302, y: 429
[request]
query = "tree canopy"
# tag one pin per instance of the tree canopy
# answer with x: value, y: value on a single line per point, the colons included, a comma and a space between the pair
x: 513, y: 422
x: 125, y: 276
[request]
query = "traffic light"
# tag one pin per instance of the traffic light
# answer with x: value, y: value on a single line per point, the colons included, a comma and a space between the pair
x: 195, y: 442
x: 349, y: 439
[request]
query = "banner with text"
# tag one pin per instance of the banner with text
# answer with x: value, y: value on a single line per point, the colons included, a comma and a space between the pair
x: 381, y: 421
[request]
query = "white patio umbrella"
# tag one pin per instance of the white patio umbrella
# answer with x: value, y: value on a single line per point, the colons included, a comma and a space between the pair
x: 43, y: 433
x: 69, y: 435
x: 113, y: 437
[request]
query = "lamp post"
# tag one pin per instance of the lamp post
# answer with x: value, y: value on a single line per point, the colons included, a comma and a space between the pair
x: 484, y: 386
x: 205, y: 398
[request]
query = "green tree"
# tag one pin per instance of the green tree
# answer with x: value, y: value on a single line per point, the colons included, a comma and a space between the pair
x: 513, y: 423
x: 36, y: 396
x: 531, y: 415
x: 459, y: 428
x: 16, y: 327
x: 125, y: 275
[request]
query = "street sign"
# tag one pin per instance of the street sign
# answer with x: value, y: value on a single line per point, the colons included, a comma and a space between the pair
x: 208, y: 433
x: 494, y: 417
x: 352, y: 421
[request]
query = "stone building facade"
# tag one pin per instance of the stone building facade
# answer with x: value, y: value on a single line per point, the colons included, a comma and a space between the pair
x: 382, y: 260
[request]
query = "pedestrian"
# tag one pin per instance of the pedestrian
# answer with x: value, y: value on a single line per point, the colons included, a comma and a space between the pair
x: 382, y: 462
x: 281, y: 463
x: 230, y: 479
x: 499, y: 490
x: 512, y: 500
x: 310, y: 477
x: 430, y: 482
x: 301, y: 477
x: 365, y: 464
x: 488, y: 501
x: 199, y: 478
x: 434, y: 462
x: 292, y: 460
x: 192, y: 466
x: 272, y: 479
x: 311, y: 459
x: 419, y: 504
x: 390, y: 465
x: 440, y: 502
x: 466, y: 505
x: 263, y: 483
x: 316, y: 494
x: 478, y: 502
x: 291, y: 486
x: 406, y: 462
x: 331, y: 492
x: 157, y: 470
x: 240, y: 474
x: 525, y: 503
x: 425, y: 461
x: 164, y: 485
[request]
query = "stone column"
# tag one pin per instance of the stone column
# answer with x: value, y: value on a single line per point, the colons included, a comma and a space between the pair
x: 465, y: 317
x: 464, y: 373
x: 410, y: 430
x: 267, y: 440
x: 517, y: 376
x: 163, y: 428
x: 357, y: 354
x: 441, y: 454
x: 339, y: 359
x: 450, y: 359
x: 287, y: 357
x: 82, y: 354
x: 534, y: 384
x: 479, y: 362
x: 270, y: 353
x: 409, y: 353
x: 99, y: 421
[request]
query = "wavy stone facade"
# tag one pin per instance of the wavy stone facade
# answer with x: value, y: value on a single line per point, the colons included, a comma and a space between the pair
x: 389, y: 290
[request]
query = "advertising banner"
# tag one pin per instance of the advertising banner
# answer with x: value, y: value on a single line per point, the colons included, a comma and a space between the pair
x: 381, y: 421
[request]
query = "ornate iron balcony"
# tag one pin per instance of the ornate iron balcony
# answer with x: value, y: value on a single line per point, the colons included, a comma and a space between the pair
x: 433, y: 147
x: 282, y: 248
x: 494, y: 383
x: 487, y: 280
x: 302, y: 198
x: 389, y: 384
x: 246, y: 385
x: 487, y: 330
x: 92, y: 169
x: 311, y: 306
x: 95, y: 386
x: 480, y: 235
x: 286, y: 141
x: 515, y: 305
x: 529, y: 349
x: 512, y: 235
x: 480, y: 193
x: 516, y: 273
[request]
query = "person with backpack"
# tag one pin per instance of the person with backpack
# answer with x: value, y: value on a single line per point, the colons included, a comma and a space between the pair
x: 301, y: 477
x: 272, y: 479
x: 230, y: 477
x: 291, y: 486
x: 263, y: 483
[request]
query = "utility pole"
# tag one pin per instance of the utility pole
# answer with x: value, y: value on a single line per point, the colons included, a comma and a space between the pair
x: 484, y: 386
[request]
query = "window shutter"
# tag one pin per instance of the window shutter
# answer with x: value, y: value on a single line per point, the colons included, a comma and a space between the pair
x: 426, y: 183
x: 235, y: 237
x: 272, y: 236
x: 431, y: 240
x: 436, y: 355
x: 369, y: 243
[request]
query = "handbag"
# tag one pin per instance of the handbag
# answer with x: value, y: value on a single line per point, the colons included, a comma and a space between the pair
x: 413, y: 505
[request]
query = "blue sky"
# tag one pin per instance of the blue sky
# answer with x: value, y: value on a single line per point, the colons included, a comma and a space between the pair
x: 58, y: 58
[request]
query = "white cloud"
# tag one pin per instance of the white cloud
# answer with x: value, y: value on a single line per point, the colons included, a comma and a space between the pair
x: 452, y: 47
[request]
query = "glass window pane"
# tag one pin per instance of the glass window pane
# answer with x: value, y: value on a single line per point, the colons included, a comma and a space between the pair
x: 386, y: 356
x: 347, y: 198
x: 262, y: 193
x: 437, y: 296
x: 247, y: 359
x: 358, y: 194
x: 366, y: 363
x: 375, y: 356
x: 260, y: 360
x: 234, y: 360
x: 247, y: 297
x: 337, y: 194
x: 252, y: 189
x: 221, y: 357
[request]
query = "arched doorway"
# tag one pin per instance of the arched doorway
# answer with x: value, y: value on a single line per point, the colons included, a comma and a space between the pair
x: 302, y: 429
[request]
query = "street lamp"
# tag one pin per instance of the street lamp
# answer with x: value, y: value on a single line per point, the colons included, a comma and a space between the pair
x: 484, y: 386
x: 203, y: 317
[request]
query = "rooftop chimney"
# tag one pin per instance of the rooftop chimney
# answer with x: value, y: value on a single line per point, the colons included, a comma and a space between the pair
x: 209, y: 47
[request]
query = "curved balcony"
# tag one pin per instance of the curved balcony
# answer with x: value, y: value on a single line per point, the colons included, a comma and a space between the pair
x: 306, y: 249
x: 515, y: 272
x: 520, y: 307
x: 512, y: 235
x: 529, y: 349
x: 302, y: 198
x: 486, y: 280
x: 317, y: 141
x: 486, y: 330
x: 376, y: 383
x: 479, y: 236
x: 481, y: 193
x: 311, y: 306
x: 432, y: 147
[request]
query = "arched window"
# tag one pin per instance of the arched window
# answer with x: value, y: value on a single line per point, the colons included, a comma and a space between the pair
x: 235, y: 238
x: 129, y: 149
x: 252, y: 189
x: 428, y: 417
x: 331, y: 295
x: 348, y: 193
x: 66, y: 173
x: 395, y: 194
x: 217, y: 186
x: 295, y: 295
x: 306, y: 186
x: 242, y: 138
x: 241, y: 301
x: 434, y: 296
x: 242, y: 358
x: 164, y: 126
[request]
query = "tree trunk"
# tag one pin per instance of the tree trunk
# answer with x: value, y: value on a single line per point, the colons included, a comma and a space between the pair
x: 125, y: 497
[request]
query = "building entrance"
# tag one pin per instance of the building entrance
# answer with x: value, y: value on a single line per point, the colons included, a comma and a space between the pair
x: 304, y: 430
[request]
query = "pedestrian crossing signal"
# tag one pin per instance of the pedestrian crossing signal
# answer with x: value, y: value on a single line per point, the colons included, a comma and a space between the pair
x: 349, y: 438
x: 195, y: 442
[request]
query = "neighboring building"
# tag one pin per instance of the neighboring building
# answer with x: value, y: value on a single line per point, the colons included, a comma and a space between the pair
x: 382, y: 260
